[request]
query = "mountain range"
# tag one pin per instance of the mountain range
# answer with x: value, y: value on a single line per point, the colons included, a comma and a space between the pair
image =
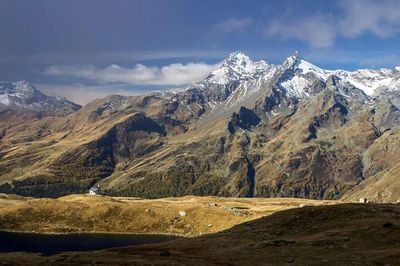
x: 249, y: 129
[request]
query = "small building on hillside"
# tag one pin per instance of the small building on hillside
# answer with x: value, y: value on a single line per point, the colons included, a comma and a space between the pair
x: 363, y: 200
x: 95, y: 190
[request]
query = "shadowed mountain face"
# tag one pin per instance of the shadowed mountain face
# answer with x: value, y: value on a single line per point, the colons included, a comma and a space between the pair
x: 249, y: 129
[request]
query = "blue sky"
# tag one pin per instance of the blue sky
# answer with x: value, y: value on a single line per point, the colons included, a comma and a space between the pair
x: 85, y: 49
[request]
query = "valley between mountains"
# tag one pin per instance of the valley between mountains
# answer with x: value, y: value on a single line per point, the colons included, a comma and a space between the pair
x: 250, y: 129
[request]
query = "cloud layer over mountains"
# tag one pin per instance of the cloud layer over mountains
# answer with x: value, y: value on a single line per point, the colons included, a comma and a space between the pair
x: 173, y: 74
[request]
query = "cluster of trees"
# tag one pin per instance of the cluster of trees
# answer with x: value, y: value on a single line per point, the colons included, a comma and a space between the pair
x: 47, y: 186
x: 172, y: 184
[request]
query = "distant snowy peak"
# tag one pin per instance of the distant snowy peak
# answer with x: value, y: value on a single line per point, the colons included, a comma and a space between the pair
x: 238, y: 66
x: 242, y: 64
x: 297, y: 64
x: 372, y: 81
x: 23, y: 96
x: 238, y: 77
x: 20, y: 92
x: 298, y: 75
x: 292, y: 61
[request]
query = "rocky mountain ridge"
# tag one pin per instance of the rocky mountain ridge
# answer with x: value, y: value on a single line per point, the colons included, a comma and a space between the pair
x: 250, y: 129
x: 23, y: 96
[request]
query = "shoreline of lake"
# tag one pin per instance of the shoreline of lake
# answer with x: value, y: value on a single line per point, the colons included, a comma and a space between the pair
x: 57, y: 243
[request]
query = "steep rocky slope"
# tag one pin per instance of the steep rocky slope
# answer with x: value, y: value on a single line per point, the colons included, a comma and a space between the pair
x: 250, y: 129
x: 21, y: 104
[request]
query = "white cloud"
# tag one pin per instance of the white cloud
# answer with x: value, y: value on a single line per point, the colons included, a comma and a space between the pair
x: 356, y: 17
x: 105, y: 57
x: 315, y: 30
x: 173, y: 74
x: 234, y: 24
x: 379, y: 17
x: 82, y: 94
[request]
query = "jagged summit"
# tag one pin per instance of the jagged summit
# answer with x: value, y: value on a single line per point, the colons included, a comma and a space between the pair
x: 239, y: 59
x: 239, y: 76
x: 20, y: 92
x: 297, y: 53
x: 297, y: 74
x: 293, y: 60
x: 236, y: 56
x: 23, y: 96
x: 238, y: 62
x: 22, y: 86
x: 237, y: 66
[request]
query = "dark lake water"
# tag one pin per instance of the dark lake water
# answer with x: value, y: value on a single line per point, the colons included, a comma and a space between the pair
x: 51, y: 244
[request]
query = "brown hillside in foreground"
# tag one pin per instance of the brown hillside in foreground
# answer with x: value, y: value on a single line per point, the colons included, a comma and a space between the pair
x: 186, y: 216
x: 348, y: 234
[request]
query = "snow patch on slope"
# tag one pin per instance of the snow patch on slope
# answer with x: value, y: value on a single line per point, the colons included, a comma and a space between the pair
x: 294, y: 80
x: 371, y: 80
x: 307, y: 67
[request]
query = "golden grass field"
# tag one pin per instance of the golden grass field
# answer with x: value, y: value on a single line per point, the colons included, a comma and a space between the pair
x: 184, y: 216
x: 218, y: 231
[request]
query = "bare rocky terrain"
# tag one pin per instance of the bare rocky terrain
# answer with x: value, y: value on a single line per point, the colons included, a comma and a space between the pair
x: 256, y: 141
x: 250, y: 129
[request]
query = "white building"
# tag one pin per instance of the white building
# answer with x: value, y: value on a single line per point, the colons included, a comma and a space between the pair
x: 363, y: 200
x: 94, y: 190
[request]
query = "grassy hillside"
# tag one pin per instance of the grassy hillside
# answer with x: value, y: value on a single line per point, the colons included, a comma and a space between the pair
x: 344, y: 234
x: 187, y: 216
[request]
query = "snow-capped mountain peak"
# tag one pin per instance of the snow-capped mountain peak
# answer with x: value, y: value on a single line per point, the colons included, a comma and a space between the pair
x: 239, y: 77
x: 237, y: 66
x: 20, y: 91
x: 297, y: 63
x: 23, y: 96
x: 371, y: 81
x: 23, y: 86
x: 236, y: 58
x: 292, y: 61
x: 297, y: 76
